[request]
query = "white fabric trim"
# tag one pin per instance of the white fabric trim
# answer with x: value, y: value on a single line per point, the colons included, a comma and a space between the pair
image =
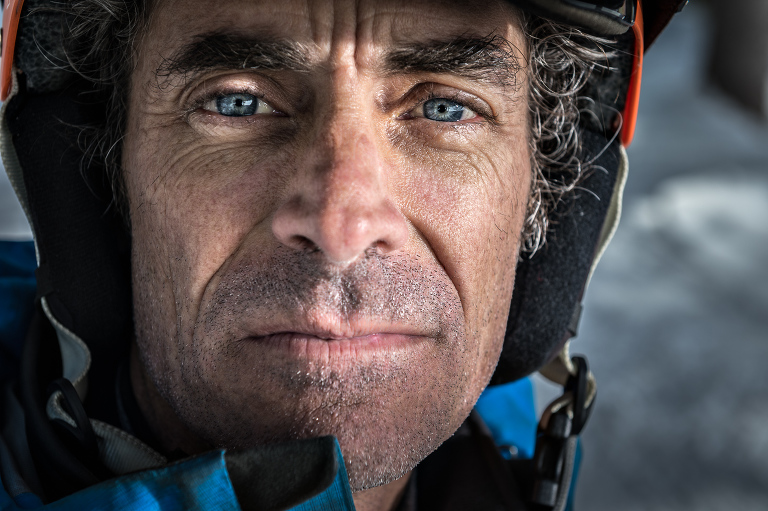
x: 120, y: 452
x: 11, y: 162
x: 613, y: 216
x: 561, y: 368
x: 75, y: 355
x: 123, y: 453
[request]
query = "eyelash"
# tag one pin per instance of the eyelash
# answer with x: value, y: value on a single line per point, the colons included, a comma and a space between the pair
x: 459, y: 98
x: 200, y: 102
x: 423, y: 96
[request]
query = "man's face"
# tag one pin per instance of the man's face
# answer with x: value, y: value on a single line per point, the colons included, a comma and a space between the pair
x: 326, y: 202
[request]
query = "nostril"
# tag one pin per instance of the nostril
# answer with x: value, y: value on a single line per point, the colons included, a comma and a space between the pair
x: 341, y: 225
x: 304, y: 243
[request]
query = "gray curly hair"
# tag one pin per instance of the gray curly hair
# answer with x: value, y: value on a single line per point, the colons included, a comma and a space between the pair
x: 101, y: 37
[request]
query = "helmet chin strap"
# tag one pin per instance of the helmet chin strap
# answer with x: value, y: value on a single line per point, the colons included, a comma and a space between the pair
x: 564, y: 418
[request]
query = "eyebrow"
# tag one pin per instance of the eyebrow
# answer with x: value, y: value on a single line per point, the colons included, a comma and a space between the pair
x: 218, y: 50
x: 491, y: 59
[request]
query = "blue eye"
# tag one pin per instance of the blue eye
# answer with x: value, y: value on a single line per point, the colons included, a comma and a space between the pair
x: 237, y: 105
x: 445, y: 110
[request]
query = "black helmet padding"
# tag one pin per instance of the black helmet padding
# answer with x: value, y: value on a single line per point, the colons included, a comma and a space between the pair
x: 84, y: 270
x: 549, y: 286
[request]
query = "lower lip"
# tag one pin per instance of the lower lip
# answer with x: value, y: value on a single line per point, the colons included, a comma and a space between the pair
x: 311, y: 347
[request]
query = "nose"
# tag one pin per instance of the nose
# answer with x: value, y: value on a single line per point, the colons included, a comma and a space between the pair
x: 341, y: 205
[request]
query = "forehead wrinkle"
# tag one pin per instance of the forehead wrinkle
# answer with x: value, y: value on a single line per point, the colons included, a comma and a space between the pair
x: 223, y: 50
x: 492, y: 59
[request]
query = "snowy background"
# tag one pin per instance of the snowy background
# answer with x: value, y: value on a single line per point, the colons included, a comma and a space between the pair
x: 675, y: 318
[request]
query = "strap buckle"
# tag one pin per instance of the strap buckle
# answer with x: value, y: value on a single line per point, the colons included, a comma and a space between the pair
x: 560, y: 425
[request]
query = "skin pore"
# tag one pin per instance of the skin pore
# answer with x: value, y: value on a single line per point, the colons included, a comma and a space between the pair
x: 326, y: 201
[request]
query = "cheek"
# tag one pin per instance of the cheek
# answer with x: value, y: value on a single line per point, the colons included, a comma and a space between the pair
x: 470, y: 215
x: 471, y: 218
x: 191, y: 210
